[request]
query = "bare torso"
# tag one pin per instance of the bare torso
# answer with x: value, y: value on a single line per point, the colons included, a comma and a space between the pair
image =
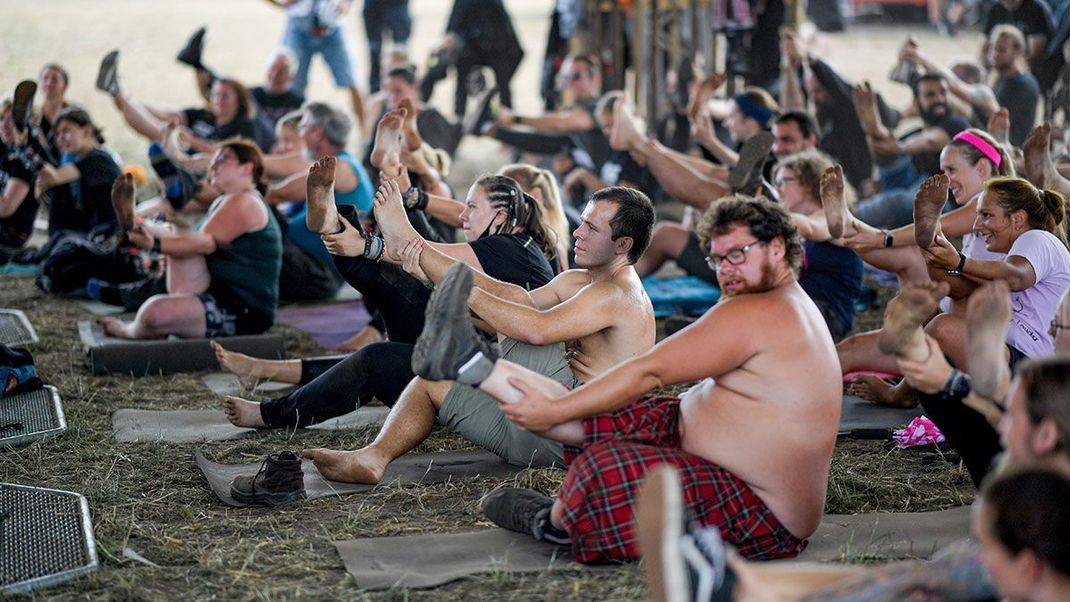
x: 773, y: 420
x: 632, y: 330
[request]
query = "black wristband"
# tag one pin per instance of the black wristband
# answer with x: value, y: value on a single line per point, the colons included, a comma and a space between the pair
x: 518, y: 120
x: 156, y: 246
x: 415, y: 199
x: 960, y: 266
x: 889, y: 239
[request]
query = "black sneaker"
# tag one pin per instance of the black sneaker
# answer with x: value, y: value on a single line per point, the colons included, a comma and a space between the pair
x: 745, y: 176
x: 449, y: 339
x: 482, y: 113
x: 680, y: 563
x: 279, y: 481
x: 523, y: 511
x: 191, y: 52
x: 108, y: 76
x: 22, y: 103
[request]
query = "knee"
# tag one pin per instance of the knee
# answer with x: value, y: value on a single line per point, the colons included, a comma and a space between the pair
x: 154, y: 314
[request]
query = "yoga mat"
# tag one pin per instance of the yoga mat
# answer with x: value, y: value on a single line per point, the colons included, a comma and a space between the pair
x: 223, y: 383
x: 378, y: 563
x: 858, y: 416
x: 138, y: 357
x: 680, y: 294
x: 329, y: 325
x: 187, y: 426
x: 434, y: 559
x: 18, y: 269
x: 887, y: 535
x: 410, y: 469
x: 98, y: 308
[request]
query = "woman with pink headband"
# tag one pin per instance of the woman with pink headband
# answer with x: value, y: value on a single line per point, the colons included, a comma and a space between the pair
x: 968, y: 161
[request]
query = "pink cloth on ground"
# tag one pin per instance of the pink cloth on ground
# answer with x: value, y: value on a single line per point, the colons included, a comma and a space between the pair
x: 920, y: 432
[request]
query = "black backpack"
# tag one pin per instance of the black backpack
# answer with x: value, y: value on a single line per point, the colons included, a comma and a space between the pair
x: 73, y: 257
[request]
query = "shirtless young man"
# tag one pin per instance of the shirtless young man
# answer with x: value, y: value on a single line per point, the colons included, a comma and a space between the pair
x: 753, y: 449
x: 600, y: 311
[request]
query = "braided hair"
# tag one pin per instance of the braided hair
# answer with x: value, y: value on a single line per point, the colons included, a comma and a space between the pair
x: 522, y: 212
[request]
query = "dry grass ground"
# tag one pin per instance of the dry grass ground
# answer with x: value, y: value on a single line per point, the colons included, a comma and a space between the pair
x: 150, y: 497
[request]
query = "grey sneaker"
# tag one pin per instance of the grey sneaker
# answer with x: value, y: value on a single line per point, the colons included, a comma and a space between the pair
x: 449, y: 340
x: 745, y: 176
x: 279, y: 481
x: 681, y: 563
x: 108, y: 76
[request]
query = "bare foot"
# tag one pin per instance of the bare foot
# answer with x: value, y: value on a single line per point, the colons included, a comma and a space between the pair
x: 628, y: 127
x: 122, y: 200
x: 238, y: 364
x: 834, y: 202
x: 928, y: 203
x: 409, y: 132
x: 360, y: 466
x: 368, y: 335
x: 386, y: 154
x: 902, y: 333
x: 242, y: 412
x: 1037, y: 153
x: 322, y: 216
x: 390, y: 215
x: 988, y: 317
x: 881, y: 392
x: 865, y: 100
x: 703, y: 92
x: 114, y: 327
x: 999, y: 125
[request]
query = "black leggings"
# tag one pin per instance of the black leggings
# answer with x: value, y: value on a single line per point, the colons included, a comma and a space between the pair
x: 380, y: 370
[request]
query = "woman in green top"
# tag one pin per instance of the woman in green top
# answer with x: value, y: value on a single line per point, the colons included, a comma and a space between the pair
x: 222, y: 276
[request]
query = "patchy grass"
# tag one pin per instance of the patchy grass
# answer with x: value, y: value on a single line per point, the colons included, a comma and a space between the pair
x: 151, y: 498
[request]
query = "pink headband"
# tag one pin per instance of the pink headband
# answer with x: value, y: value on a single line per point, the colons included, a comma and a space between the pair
x: 979, y: 143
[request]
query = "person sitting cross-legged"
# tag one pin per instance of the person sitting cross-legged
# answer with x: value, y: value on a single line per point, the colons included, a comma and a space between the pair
x: 777, y: 389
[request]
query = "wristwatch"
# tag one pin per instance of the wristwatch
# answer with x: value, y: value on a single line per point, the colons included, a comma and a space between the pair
x: 958, y: 386
x: 889, y: 239
x: 958, y: 269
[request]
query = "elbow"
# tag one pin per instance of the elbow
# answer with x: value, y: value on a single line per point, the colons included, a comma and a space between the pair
x: 535, y: 336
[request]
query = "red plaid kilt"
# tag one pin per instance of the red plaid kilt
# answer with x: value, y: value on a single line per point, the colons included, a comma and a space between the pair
x: 603, y: 481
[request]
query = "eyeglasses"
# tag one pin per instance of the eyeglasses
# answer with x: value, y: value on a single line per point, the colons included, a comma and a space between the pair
x: 1055, y: 327
x: 780, y: 182
x: 574, y: 76
x: 734, y: 257
x: 222, y: 158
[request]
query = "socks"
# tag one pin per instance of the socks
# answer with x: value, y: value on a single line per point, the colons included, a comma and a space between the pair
x: 475, y: 370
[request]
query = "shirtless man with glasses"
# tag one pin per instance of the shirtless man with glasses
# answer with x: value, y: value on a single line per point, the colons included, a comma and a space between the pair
x: 753, y: 446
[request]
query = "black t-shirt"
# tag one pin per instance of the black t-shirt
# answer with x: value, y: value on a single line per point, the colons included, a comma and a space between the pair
x: 514, y: 258
x: 271, y: 107
x: 202, y: 123
x: 928, y: 163
x: 621, y: 167
x: 16, y: 228
x: 1032, y: 18
x: 86, y: 202
x: 1019, y: 94
x: 832, y: 276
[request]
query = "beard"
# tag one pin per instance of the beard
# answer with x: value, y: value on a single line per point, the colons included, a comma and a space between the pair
x: 935, y: 113
x: 766, y: 282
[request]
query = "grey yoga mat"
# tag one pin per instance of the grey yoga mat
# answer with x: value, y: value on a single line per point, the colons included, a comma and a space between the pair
x: 429, y: 560
x: 410, y: 469
x: 223, y: 383
x: 858, y: 415
x: 187, y: 426
x: 434, y: 559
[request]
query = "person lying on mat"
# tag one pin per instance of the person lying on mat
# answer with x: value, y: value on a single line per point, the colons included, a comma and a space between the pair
x: 222, y: 276
x: 1020, y: 523
x: 579, y: 325
x: 769, y: 381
